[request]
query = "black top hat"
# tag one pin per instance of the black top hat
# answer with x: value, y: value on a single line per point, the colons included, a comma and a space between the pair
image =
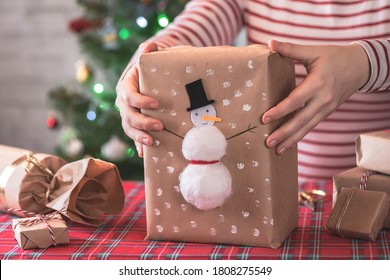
x: 197, y: 95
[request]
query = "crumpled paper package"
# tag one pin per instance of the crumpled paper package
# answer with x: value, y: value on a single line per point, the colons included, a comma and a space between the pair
x: 241, y: 83
x: 86, y: 189
x: 372, y: 151
x: 351, y: 178
x: 38, y: 234
x: 358, y: 213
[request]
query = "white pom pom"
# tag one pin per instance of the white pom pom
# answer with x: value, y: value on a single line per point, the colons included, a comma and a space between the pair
x: 206, y: 186
x: 204, y: 143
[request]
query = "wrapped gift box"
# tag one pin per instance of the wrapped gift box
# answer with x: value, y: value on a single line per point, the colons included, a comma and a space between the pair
x: 32, y: 234
x: 358, y: 213
x: 240, y: 83
x: 372, y: 151
x: 352, y: 179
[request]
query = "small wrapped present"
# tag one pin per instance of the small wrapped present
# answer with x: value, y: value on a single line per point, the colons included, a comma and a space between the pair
x: 41, y: 231
x: 209, y: 176
x: 361, y: 178
x: 372, y: 150
x: 358, y: 213
x: 39, y: 183
x: 25, y: 179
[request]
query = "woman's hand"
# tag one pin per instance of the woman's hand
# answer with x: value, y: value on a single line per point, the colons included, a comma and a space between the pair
x: 334, y: 74
x: 130, y: 101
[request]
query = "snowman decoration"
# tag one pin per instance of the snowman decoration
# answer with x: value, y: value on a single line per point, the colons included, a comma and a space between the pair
x: 205, y: 183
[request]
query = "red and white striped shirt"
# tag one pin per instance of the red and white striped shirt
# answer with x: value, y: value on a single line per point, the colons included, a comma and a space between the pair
x: 329, y: 148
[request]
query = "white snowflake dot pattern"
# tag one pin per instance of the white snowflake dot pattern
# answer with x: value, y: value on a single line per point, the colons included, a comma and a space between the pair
x: 246, y: 107
x: 173, y: 113
x: 189, y: 69
x: 249, y: 83
x: 232, y: 125
x: 210, y: 72
x: 265, y: 220
x: 237, y: 93
x: 177, y: 188
x: 155, y: 159
x: 170, y: 154
x: 175, y: 229
x: 170, y: 169
x: 264, y: 96
x: 266, y: 135
x: 233, y: 229
x: 258, y: 204
x: 155, y: 91
x: 221, y: 218
x: 226, y: 84
x: 251, y: 189
x: 250, y: 64
x: 153, y: 69
x: 173, y: 92
x: 213, y: 231
x: 193, y: 224
x: 157, y: 212
x: 159, y: 192
x: 184, y: 207
x: 271, y: 222
x: 267, y: 180
x: 167, y: 204
x: 245, y: 214
x: 230, y: 68
x: 256, y: 232
x: 255, y: 163
x: 167, y: 73
x: 240, y: 165
x: 159, y: 228
x: 157, y: 143
x: 226, y: 102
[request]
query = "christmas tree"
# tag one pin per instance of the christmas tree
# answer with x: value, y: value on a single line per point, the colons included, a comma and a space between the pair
x: 109, y: 33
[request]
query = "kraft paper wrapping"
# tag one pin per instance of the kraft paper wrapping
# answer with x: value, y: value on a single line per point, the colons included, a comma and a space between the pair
x: 82, y: 190
x: 38, y: 235
x: 87, y: 189
x: 244, y: 82
x: 21, y: 189
x: 372, y: 151
x: 358, y: 213
x: 351, y: 179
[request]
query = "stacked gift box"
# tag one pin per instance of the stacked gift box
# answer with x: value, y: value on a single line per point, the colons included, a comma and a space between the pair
x: 361, y: 195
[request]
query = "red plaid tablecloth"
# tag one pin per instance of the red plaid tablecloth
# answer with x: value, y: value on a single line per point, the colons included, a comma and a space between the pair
x: 122, y: 237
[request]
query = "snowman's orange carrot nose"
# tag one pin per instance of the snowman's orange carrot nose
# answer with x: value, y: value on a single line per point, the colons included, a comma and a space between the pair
x: 210, y: 118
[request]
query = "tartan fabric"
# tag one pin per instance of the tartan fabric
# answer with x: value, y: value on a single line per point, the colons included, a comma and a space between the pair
x: 122, y: 237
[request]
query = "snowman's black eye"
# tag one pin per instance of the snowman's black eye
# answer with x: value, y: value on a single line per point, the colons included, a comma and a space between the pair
x: 207, y: 111
x: 196, y: 114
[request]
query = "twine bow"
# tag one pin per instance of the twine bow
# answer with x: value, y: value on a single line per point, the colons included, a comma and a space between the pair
x: 364, y: 179
x: 37, y: 219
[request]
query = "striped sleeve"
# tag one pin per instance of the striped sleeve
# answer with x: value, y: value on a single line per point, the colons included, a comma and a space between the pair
x: 378, y: 51
x: 203, y: 23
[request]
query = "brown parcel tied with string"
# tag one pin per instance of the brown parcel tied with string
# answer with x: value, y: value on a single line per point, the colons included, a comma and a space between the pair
x: 32, y: 235
x: 86, y: 189
x: 24, y: 185
x: 241, y: 83
x: 352, y: 178
x: 358, y: 213
x: 372, y: 151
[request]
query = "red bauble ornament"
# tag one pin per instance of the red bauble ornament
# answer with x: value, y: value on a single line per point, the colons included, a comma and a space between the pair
x: 79, y: 25
x: 51, y: 122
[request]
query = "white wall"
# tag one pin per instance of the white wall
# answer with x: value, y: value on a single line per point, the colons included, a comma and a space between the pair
x: 37, y: 52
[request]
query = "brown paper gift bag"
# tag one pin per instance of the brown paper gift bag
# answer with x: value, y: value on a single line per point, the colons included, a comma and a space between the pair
x: 34, y: 233
x: 372, y: 150
x: 240, y: 83
x: 352, y: 178
x: 23, y: 184
x: 85, y: 189
x: 358, y: 213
